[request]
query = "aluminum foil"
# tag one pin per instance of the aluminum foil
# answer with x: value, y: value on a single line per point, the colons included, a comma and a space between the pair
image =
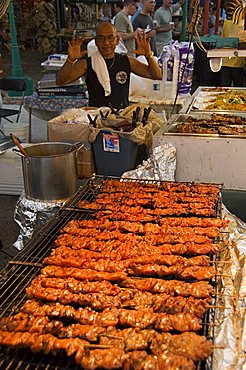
x: 161, y: 165
x: 230, y: 329
x: 31, y: 215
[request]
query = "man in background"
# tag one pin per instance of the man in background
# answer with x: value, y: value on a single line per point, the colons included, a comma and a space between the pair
x: 124, y: 26
x: 165, y: 25
x: 144, y: 21
x: 118, y: 6
x: 138, y: 11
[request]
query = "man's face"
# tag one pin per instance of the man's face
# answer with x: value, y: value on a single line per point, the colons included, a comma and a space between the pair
x: 167, y: 3
x: 150, y: 6
x: 106, y: 40
x: 133, y: 7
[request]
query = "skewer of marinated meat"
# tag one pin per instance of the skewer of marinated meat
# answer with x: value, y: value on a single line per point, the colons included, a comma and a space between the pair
x: 74, y: 228
x: 77, y: 286
x: 153, y: 215
x: 158, y: 201
x: 44, y: 325
x: 145, y: 215
x: 85, y: 316
x: 191, y: 272
x: 47, y: 343
x: 139, y: 228
x: 173, y: 195
x: 96, y: 301
x: 154, y: 239
x: 114, y: 266
x: 123, y: 251
x: 127, y: 298
x: 116, y: 185
x: 149, y: 305
x: 188, y: 344
x: 194, y: 221
x: 82, y: 274
x: 200, y: 289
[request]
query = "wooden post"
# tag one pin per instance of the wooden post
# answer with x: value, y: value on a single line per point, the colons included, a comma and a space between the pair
x: 184, y: 20
x: 205, y: 17
x: 216, y: 29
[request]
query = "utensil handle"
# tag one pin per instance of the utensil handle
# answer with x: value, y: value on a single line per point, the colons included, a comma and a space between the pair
x: 18, y: 144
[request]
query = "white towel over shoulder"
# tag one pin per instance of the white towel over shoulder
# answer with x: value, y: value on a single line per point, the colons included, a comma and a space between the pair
x: 100, y: 68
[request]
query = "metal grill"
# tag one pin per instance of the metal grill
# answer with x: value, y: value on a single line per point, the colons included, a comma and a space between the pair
x: 20, y: 271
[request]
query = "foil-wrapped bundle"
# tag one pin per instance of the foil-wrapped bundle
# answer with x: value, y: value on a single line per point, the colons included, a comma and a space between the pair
x: 31, y: 215
x: 230, y: 323
x: 161, y: 165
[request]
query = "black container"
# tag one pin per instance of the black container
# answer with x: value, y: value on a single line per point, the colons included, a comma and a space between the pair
x: 113, y: 154
x: 202, y: 73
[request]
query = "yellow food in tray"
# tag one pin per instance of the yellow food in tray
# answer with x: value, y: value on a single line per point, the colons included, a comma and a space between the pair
x: 228, y: 101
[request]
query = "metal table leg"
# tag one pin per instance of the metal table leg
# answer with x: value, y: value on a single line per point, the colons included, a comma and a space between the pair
x: 30, y: 125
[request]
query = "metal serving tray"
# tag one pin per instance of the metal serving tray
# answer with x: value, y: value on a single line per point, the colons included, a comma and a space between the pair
x: 204, y: 94
x: 183, y: 119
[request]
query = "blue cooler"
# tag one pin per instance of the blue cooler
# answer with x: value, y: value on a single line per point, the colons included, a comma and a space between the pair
x: 113, y: 154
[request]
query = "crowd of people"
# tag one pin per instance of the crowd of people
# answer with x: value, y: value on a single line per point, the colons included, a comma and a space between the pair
x: 131, y: 17
x: 156, y: 20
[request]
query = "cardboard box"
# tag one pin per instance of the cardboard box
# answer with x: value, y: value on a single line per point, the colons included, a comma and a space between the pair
x: 85, y: 163
x: 78, y: 133
x: 67, y: 131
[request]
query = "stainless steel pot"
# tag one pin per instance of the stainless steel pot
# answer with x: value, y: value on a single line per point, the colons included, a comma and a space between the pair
x: 49, y: 171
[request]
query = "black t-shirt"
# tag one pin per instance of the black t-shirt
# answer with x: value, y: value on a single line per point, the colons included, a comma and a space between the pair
x: 119, y: 73
x: 145, y: 21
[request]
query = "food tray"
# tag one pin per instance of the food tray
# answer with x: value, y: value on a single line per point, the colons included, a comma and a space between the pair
x: 204, y: 96
x: 223, y: 125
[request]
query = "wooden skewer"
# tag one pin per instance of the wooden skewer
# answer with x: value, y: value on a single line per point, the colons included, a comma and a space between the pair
x: 224, y: 295
x: 22, y: 263
x: 76, y: 209
x: 219, y: 347
x: 210, y: 324
x: 224, y: 275
x: 220, y: 261
x: 222, y: 307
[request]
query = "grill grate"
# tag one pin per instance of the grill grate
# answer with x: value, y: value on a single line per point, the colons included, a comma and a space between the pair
x: 20, y: 271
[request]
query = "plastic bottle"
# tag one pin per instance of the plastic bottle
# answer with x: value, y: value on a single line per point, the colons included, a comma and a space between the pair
x: 156, y: 89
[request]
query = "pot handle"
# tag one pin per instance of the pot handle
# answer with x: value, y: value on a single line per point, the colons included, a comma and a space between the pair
x: 17, y: 151
x: 80, y: 145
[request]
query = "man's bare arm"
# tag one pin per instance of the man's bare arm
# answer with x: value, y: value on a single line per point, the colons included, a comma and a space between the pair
x: 71, y: 71
x: 74, y: 67
x: 150, y: 70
